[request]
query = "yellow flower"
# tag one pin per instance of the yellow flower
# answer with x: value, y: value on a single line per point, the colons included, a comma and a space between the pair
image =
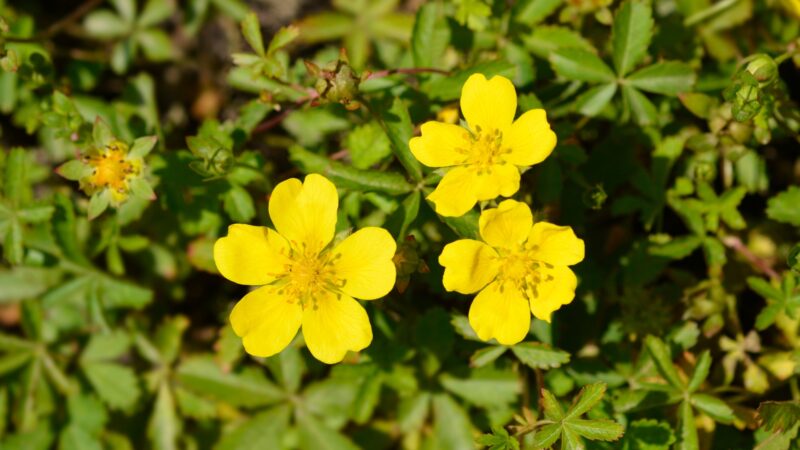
x: 113, y: 168
x: 485, y: 160
x: 303, y: 280
x: 793, y: 6
x: 520, y: 269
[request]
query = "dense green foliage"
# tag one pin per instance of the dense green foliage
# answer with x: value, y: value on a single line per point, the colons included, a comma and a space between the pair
x: 677, y: 163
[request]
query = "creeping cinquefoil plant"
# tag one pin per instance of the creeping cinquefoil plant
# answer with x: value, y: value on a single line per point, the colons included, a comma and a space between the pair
x: 400, y: 224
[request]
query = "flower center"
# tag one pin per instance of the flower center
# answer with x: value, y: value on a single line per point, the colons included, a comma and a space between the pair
x: 518, y: 269
x: 485, y: 150
x: 309, y: 275
x: 111, y: 168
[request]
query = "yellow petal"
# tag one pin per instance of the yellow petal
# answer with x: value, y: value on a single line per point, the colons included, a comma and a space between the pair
x: 529, y: 139
x: 555, y: 245
x: 305, y: 213
x: 439, y: 144
x: 557, y: 288
x: 500, y: 314
x: 365, y: 263
x: 506, y: 226
x: 469, y: 265
x: 251, y: 255
x: 454, y: 195
x: 333, y: 326
x: 501, y: 179
x: 266, y: 322
x: 488, y: 104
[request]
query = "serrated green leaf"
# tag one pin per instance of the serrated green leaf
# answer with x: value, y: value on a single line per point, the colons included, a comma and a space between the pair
x: 660, y: 353
x: 594, y: 100
x: 700, y: 373
x: 596, y: 430
x: 251, y: 30
x: 714, y: 407
x: 486, y: 355
x: 264, y: 430
x: 203, y: 376
x: 349, y: 177
x: 430, y: 36
x: 779, y: 416
x: 783, y: 207
x: 540, y: 356
x: 688, y: 430
x: 577, y: 64
x: 667, y: 78
x: 164, y: 426
x: 283, y: 37
x: 115, y: 384
x: 546, y: 39
x: 631, y: 34
x: 587, y: 398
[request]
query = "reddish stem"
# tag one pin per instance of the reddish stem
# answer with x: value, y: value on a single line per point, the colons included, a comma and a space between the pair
x: 736, y: 244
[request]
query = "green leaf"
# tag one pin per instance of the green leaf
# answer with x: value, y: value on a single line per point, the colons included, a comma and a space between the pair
x: 156, y: 45
x: 783, y: 207
x: 264, y: 430
x: 349, y: 177
x: 465, y: 226
x: 577, y: 64
x: 648, y: 434
x: 22, y: 283
x: 688, y: 429
x: 700, y: 371
x: 368, y: 145
x: 486, y: 355
x: 74, y: 437
x: 546, y: 436
x: 104, y: 24
x: 104, y: 347
x: 397, y: 125
x: 552, y: 408
x: 203, y: 376
x: 714, y: 407
x: 115, y: 384
x: 594, y: 100
x: 316, y: 435
x: 430, y: 36
x: 779, y: 416
x: 546, y: 39
x: 596, y: 430
x: 631, y: 34
x: 239, y: 204
x: 484, y: 387
x: 451, y: 426
x: 660, y: 353
x: 444, y: 88
x: 642, y: 109
x: 677, y: 248
x: 164, y: 426
x: 251, y: 30
x: 15, y: 177
x: 499, y: 440
x: 282, y: 38
x: 101, y: 133
x: 531, y: 12
x: 667, y: 78
x: 587, y: 398
x: 540, y: 356
x: 98, y: 203
x: 74, y: 170
x: 142, y: 146
x: 154, y: 12
x: 13, y: 249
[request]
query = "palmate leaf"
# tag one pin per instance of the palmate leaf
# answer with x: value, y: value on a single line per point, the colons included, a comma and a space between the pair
x: 569, y: 427
x: 540, y: 356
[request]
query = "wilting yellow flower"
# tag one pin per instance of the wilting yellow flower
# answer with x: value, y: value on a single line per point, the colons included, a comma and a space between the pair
x: 113, y: 168
x: 793, y: 6
x: 303, y: 280
x: 485, y: 160
x: 520, y: 268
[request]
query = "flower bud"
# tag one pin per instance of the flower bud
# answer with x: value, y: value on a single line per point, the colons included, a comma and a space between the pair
x: 763, y: 68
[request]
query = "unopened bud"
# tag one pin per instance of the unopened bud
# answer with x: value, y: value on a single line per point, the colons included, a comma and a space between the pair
x: 763, y: 68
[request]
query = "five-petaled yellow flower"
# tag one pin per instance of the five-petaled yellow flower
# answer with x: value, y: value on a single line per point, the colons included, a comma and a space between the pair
x: 523, y: 269
x: 485, y: 160
x: 304, y: 280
